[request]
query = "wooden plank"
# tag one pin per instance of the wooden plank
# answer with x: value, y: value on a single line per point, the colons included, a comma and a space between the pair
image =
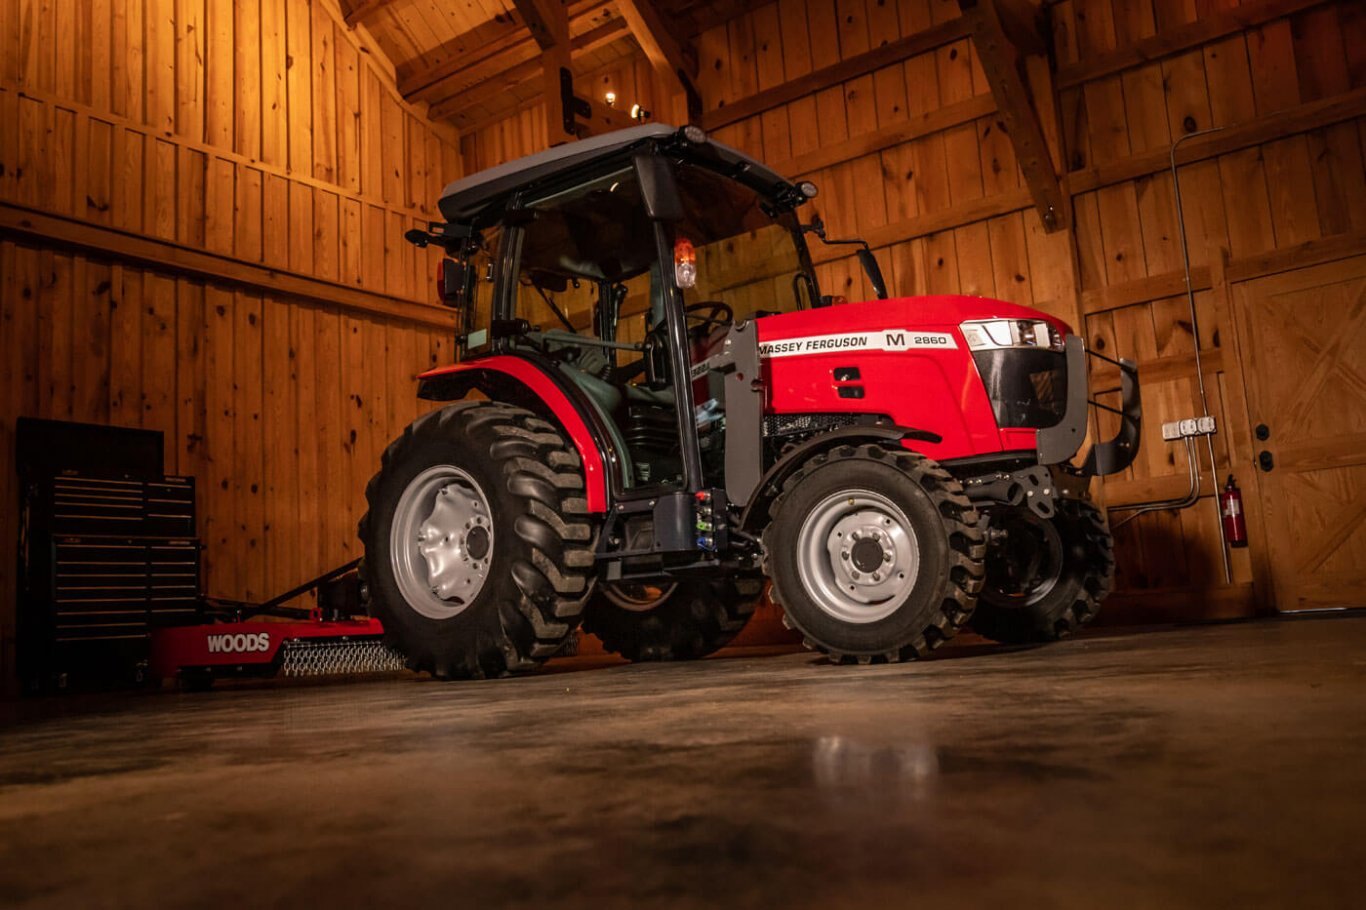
x: 1339, y: 178
x: 176, y: 258
x: 125, y: 348
x: 834, y: 74
x: 1182, y: 38
x: 190, y: 27
x: 348, y: 114
x: 275, y: 222
x: 1229, y: 77
x: 160, y: 66
x: 324, y: 96
x: 303, y: 387
x: 159, y: 343
x: 299, y: 87
x: 1264, y: 129
x: 1290, y: 183
x: 90, y: 342
x: 216, y: 498
x: 275, y: 67
x: 220, y: 88
x: 1275, y: 83
x: 1246, y: 201
x: 282, y: 529
x: 1171, y: 284
x: 248, y: 446
x: 191, y: 413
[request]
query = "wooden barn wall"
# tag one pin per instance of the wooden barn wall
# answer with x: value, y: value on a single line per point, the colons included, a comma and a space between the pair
x: 911, y: 154
x: 202, y: 205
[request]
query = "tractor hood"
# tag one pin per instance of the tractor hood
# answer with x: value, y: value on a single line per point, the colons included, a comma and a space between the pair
x: 944, y: 312
x: 905, y: 359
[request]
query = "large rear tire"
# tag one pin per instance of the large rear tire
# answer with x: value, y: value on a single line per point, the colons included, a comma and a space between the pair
x: 1047, y: 577
x: 874, y: 553
x: 478, y: 542
x: 684, y: 620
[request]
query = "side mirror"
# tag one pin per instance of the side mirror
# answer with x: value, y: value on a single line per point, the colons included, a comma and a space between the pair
x: 873, y: 271
x: 452, y: 279
x: 658, y: 188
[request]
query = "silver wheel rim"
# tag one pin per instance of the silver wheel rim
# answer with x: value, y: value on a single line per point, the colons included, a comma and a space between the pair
x: 836, y: 559
x: 441, y: 542
x: 639, y: 598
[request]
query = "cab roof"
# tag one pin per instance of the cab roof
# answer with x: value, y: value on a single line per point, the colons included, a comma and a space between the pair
x: 464, y: 199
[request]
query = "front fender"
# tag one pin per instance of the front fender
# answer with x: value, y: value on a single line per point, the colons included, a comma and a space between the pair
x: 772, y: 481
x: 519, y: 382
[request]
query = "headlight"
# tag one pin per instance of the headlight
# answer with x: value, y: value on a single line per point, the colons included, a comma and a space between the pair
x: 990, y: 334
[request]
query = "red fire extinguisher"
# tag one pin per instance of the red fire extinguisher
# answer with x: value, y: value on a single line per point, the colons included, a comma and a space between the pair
x: 1231, y: 507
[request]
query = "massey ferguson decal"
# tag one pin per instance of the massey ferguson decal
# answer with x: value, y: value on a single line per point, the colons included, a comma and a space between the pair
x: 239, y: 643
x: 883, y: 340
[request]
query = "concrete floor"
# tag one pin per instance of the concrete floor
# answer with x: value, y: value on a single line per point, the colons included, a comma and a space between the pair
x: 1204, y: 767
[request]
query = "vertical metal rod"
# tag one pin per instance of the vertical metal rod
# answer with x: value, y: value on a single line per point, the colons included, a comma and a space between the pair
x: 1195, y: 331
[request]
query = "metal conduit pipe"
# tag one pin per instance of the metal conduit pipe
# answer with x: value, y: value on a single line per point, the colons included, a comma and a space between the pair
x: 1195, y: 332
x: 1192, y: 495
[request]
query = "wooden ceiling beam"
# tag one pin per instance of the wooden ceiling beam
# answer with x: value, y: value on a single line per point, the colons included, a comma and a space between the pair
x: 568, y: 116
x: 487, y: 50
x: 674, y: 61
x: 356, y: 12
x: 527, y: 71
x: 1003, y: 63
x: 548, y: 22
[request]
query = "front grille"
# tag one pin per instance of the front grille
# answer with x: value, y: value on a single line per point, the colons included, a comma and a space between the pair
x: 1027, y: 388
x: 793, y: 424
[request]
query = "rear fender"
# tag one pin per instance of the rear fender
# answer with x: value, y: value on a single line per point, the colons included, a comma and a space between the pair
x: 770, y: 485
x: 518, y: 382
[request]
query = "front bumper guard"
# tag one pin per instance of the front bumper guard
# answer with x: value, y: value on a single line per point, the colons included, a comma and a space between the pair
x: 1057, y: 444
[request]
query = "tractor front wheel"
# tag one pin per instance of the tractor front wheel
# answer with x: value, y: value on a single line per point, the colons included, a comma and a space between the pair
x: 875, y: 554
x: 478, y: 542
x: 1045, y: 577
x: 682, y: 620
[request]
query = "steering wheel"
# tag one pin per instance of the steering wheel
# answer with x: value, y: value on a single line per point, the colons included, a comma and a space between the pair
x: 718, y: 313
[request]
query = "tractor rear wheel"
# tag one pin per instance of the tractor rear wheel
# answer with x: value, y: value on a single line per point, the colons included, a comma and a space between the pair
x: 875, y: 554
x: 683, y: 620
x: 478, y: 543
x: 1046, y: 577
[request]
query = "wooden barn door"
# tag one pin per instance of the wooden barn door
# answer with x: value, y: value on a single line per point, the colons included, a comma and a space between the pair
x: 1303, y: 335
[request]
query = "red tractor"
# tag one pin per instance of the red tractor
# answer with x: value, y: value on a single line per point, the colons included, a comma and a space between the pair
x: 656, y: 407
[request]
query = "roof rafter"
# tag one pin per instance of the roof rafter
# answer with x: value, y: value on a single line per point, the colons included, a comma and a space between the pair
x: 1004, y: 32
x: 674, y: 61
x: 355, y: 12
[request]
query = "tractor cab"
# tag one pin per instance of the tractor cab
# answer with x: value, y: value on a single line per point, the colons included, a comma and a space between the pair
x: 619, y: 270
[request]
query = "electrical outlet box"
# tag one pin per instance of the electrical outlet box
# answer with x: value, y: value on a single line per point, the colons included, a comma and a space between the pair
x: 1191, y: 426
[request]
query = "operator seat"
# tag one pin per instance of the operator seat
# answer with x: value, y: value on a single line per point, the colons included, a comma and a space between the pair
x: 607, y: 399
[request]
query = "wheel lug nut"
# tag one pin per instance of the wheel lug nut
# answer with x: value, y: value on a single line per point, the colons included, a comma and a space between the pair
x: 844, y: 554
x: 877, y: 577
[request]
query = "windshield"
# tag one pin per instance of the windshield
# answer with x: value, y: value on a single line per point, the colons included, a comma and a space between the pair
x: 749, y: 255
